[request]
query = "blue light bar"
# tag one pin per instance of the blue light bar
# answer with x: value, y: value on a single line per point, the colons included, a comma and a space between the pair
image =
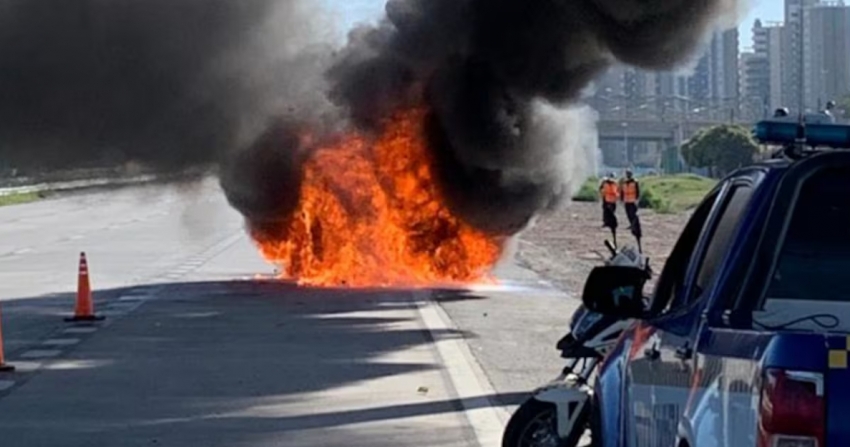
x: 811, y: 134
x: 776, y: 132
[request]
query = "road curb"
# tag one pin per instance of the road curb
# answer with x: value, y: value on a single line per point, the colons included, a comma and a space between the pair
x: 486, y: 417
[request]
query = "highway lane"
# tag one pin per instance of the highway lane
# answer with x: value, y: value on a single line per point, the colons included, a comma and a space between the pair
x: 194, y: 352
x: 133, y: 235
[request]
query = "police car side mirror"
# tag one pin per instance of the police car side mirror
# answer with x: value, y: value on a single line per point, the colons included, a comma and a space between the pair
x: 616, y: 291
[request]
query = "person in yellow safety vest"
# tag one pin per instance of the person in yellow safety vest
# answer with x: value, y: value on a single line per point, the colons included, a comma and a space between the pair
x: 630, y: 194
x: 610, y: 193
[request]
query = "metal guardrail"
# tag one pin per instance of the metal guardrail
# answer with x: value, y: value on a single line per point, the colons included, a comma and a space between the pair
x: 76, y: 184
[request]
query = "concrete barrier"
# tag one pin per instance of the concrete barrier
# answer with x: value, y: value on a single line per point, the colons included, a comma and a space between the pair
x: 77, y: 184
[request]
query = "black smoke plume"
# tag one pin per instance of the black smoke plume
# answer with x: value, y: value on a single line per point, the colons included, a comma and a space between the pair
x: 167, y: 83
x: 182, y: 83
x: 503, y: 80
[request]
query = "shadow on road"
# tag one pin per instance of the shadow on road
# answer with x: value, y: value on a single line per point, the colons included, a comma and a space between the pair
x: 214, y: 361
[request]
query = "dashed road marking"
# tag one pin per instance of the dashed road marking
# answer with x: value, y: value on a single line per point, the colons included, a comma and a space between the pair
x: 80, y: 330
x: 40, y: 353
x: 22, y: 366
x: 125, y: 305
x: 61, y: 342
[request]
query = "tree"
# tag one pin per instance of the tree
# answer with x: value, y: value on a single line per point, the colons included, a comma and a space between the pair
x: 721, y: 149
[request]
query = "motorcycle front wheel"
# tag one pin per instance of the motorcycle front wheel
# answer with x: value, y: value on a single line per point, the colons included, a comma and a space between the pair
x: 534, y: 424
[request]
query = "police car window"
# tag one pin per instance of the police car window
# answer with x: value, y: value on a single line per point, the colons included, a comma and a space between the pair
x: 814, y: 260
x: 673, y: 275
x: 720, y: 239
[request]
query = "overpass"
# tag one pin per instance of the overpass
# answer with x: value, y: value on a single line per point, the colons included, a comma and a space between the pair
x: 666, y: 132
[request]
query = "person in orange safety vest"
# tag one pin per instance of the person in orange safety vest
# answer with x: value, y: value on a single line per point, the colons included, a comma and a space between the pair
x: 630, y: 194
x: 610, y: 193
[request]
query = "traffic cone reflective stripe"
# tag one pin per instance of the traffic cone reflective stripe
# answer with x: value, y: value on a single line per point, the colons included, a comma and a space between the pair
x: 84, y: 309
x: 4, y: 367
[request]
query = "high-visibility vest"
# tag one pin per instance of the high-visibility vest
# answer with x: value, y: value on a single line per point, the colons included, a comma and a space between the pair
x: 630, y: 191
x: 610, y: 191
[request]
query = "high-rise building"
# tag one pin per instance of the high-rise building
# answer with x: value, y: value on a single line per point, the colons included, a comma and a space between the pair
x: 793, y: 59
x: 729, y: 70
x: 671, y: 85
x: 639, y: 84
x: 715, y: 79
x: 826, y: 53
x: 608, y: 91
x: 765, y: 67
x: 699, y: 83
x: 711, y: 86
x: 752, y: 78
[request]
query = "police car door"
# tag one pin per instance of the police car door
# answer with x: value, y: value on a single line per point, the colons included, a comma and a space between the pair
x: 656, y: 378
x: 717, y: 410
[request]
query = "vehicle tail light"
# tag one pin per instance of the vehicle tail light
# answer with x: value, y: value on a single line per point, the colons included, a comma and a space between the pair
x: 792, y: 409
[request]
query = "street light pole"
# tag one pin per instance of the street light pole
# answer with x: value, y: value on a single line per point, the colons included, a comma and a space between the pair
x: 626, y: 142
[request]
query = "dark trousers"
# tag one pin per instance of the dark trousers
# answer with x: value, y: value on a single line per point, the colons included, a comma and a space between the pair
x: 609, y: 215
x: 634, y: 220
x: 631, y: 212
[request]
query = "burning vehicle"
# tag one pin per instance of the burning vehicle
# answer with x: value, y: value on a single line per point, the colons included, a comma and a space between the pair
x: 410, y: 155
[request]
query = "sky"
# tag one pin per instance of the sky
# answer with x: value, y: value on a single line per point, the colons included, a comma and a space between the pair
x: 350, y: 12
x: 767, y: 11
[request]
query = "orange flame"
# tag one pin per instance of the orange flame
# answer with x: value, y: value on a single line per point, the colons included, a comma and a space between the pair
x: 370, y: 214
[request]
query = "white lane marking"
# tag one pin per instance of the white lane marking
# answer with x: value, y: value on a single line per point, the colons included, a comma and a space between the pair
x: 470, y: 382
x: 22, y: 251
x: 40, y: 353
x: 125, y: 305
x: 22, y: 366
x: 6, y: 384
x: 80, y: 330
x: 134, y: 298
x: 117, y: 310
x: 76, y: 364
x: 61, y: 342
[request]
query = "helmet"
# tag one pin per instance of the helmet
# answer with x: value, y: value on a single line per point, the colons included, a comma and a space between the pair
x: 781, y: 112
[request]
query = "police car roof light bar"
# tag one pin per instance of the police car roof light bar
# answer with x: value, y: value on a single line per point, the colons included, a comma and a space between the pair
x: 835, y: 136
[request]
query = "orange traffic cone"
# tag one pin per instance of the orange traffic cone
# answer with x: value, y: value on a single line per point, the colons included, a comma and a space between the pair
x: 4, y: 367
x: 84, y: 310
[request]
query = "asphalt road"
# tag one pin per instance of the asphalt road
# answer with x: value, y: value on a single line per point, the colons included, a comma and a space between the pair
x: 196, y: 352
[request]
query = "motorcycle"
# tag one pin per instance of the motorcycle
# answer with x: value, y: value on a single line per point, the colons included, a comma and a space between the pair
x: 558, y: 414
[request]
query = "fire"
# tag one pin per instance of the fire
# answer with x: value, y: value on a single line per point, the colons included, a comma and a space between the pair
x: 370, y: 214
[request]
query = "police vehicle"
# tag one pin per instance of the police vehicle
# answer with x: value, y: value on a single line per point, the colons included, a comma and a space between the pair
x: 745, y: 339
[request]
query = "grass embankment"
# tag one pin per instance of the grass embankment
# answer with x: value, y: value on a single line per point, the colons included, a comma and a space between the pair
x: 20, y: 198
x: 664, y: 194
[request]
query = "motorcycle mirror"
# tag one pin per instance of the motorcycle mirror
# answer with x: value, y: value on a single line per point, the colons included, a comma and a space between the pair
x: 615, y: 291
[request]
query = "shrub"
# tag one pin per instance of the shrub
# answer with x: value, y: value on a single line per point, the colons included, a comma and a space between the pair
x: 589, y: 191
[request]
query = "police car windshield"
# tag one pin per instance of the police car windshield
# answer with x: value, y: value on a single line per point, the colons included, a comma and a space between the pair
x: 814, y: 263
